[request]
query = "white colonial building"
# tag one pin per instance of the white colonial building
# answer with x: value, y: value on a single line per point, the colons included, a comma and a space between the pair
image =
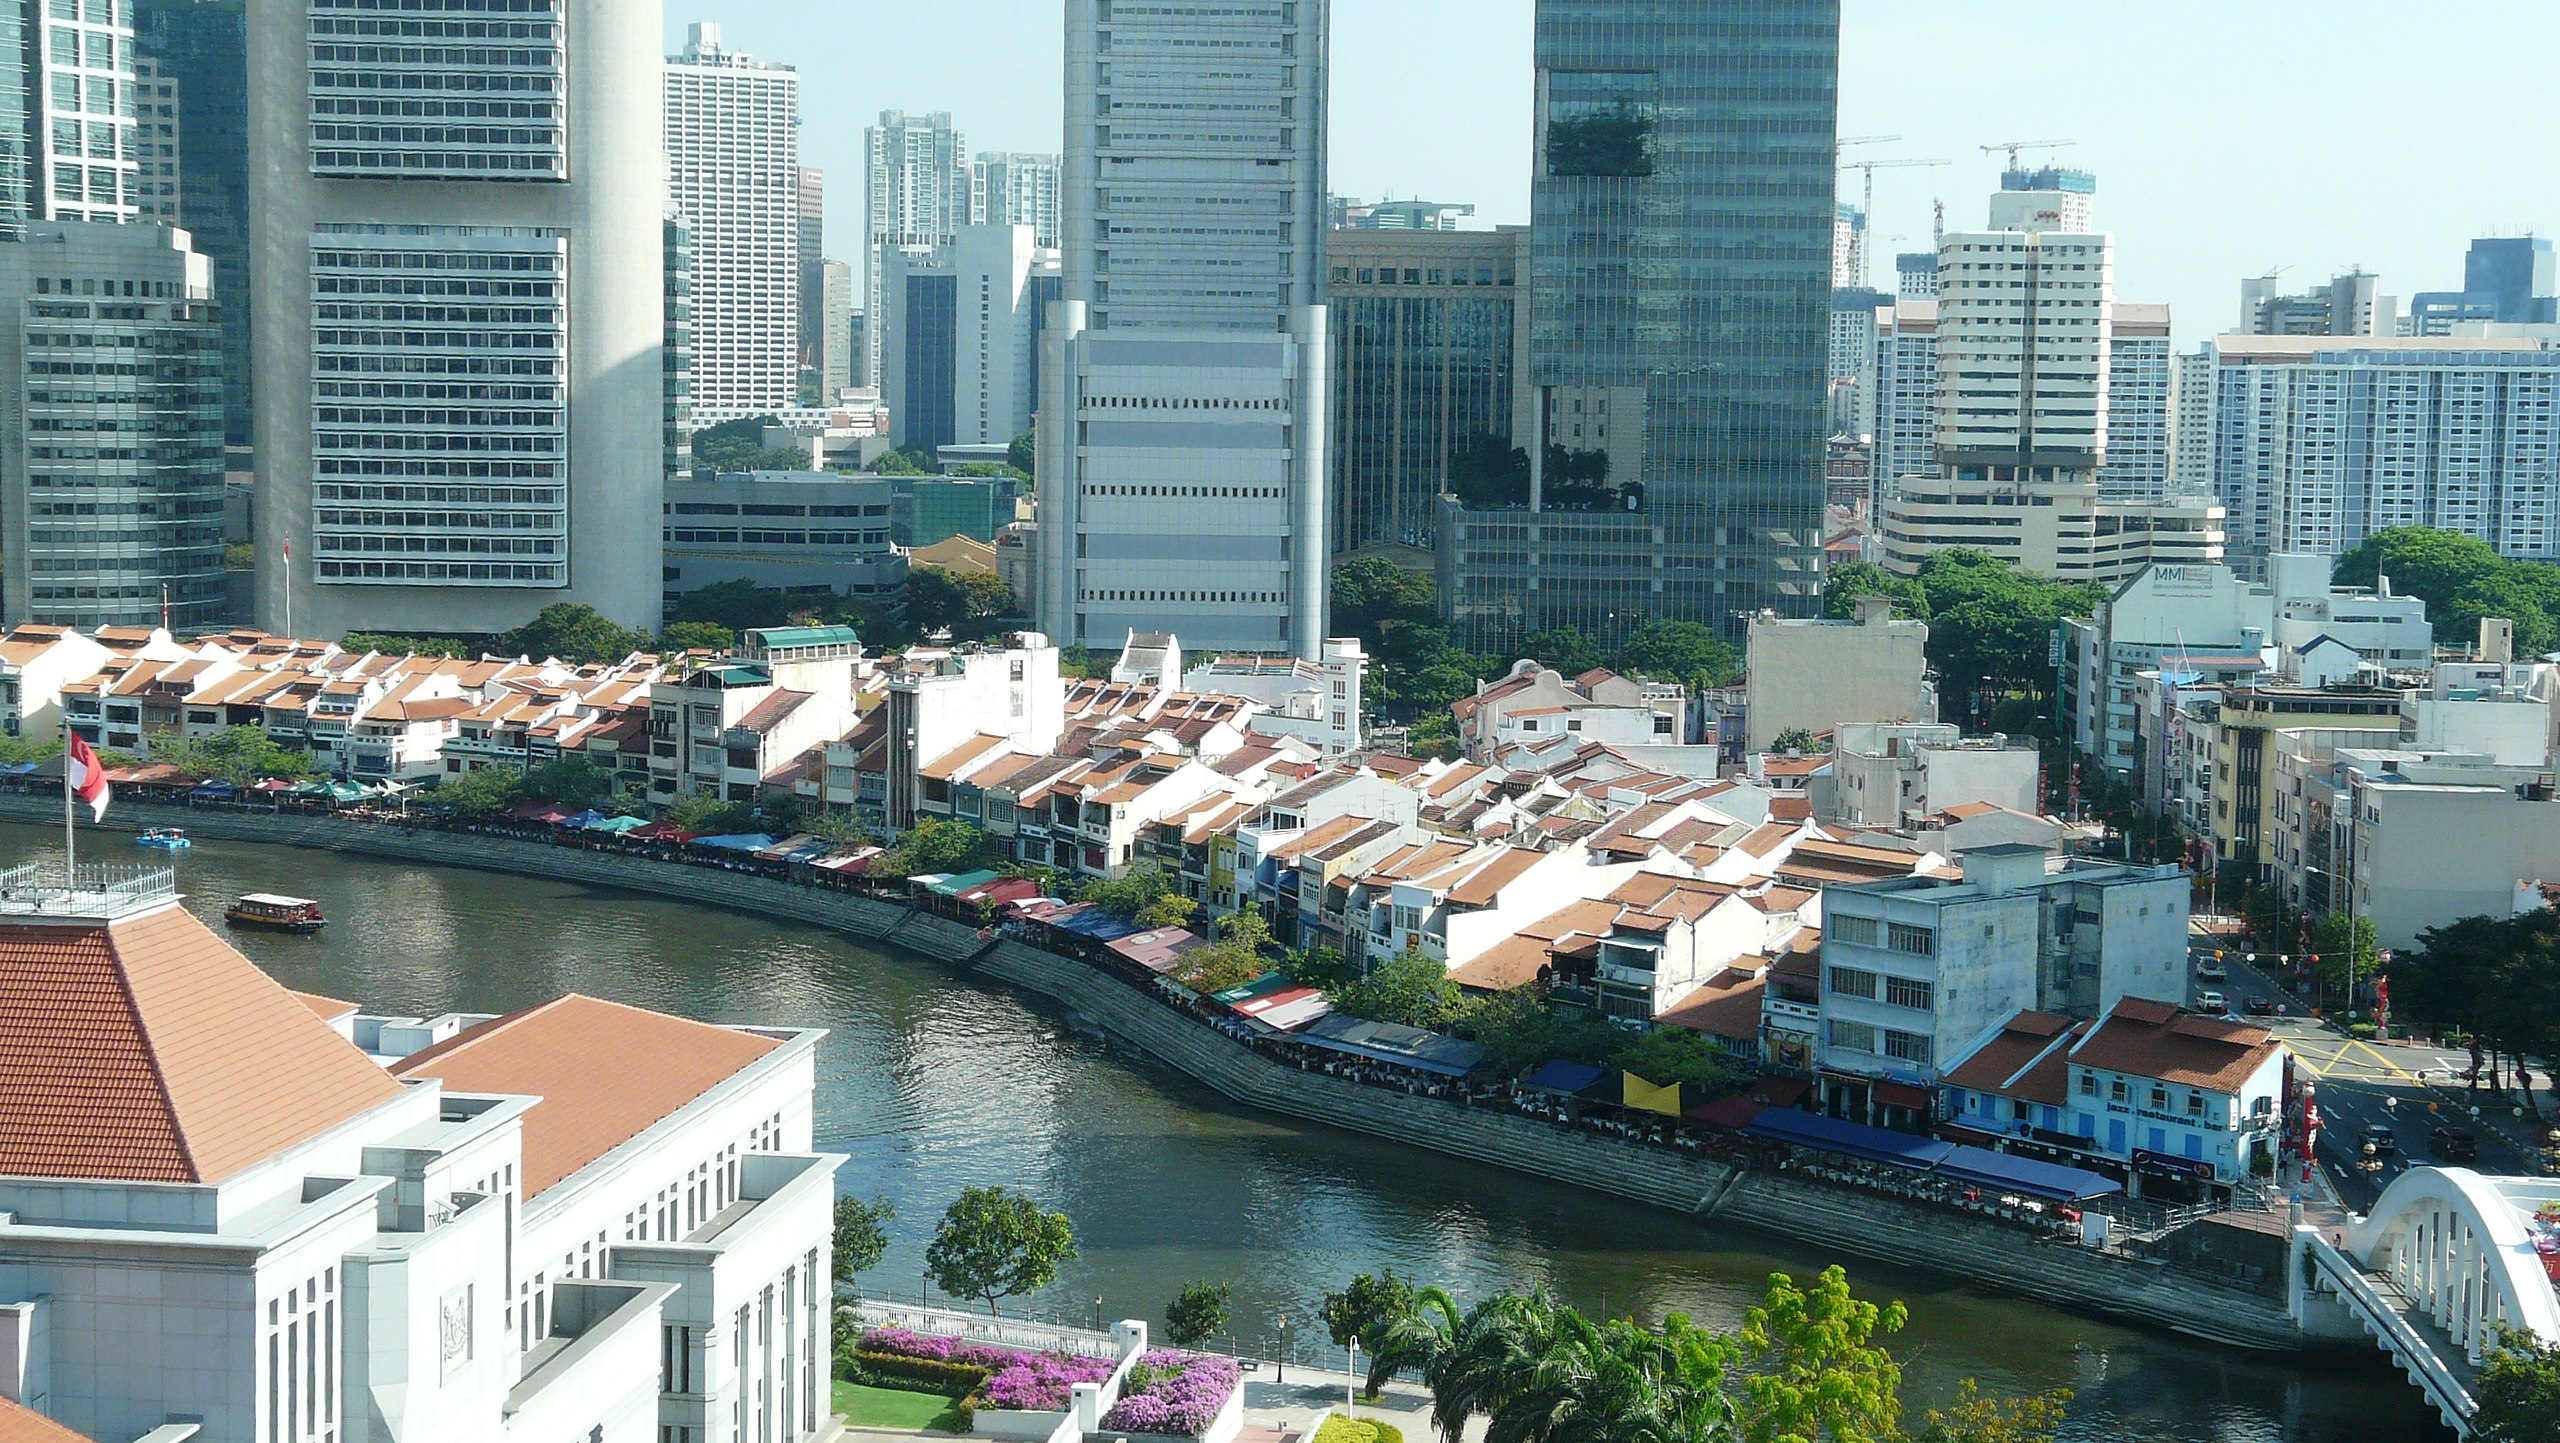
x: 227, y: 1205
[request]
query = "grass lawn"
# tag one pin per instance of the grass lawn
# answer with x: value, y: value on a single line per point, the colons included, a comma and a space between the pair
x: 864, y: 1406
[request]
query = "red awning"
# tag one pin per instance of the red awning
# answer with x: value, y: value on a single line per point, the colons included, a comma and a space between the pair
x: 1902, y: 1094
x: 1778, y: 1091
x: 1729, y: 1112
x: 660, y: 832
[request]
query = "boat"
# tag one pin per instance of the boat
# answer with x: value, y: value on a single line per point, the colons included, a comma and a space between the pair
x: 167, y: 839
x: 274, y: 913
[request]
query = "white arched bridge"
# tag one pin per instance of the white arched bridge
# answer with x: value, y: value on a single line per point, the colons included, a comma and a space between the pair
x: 2447, y: 1259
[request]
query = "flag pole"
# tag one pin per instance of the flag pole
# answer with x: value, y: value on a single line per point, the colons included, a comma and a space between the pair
x: 70, y: 825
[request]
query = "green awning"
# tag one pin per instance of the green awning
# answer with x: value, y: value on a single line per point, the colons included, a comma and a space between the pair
x: 953, y: 886
x: 1264, y: 985
x: 618, y: 825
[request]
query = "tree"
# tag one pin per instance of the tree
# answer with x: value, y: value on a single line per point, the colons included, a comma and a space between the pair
x: 964, y: 602
x: 706, y: 814
x: 1139, y: 886
x: 695, y: 636
x: 1197, y: 1313
x: 862, y: 1235
x: 571, y: 781
x: 1565, y: 650
x: 2332, y: 944
x: 1811, y: 1366
x: 1488, y: 473
x: 1363, y: 1309
x: 996, y: 1243
x: 1414, y: 1339
x: 2518, y: 1392
x: 1323, y: 968
x: 1990, y: 625
x: 907, y: 461
x: 1411, y: 991
x: 1973, y: 1418
x: 723, y: 447
x: 395, y: 644
x: 936, y: 845
x: 1681, y: 651
x: 1798, y: 741
x: 571, y: 631
x: 2462, y: 579
x: 737, y: 605
x: 480, y: 792
x: 1518, y: 1031
x: 1667, y: 1055
x: 1170, y: 910
x: 238, y: 755
x: 1233, y: 959
x: 1022, y: 454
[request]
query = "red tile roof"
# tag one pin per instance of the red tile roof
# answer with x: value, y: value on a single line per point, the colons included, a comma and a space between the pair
x: 605, y: 1073
x: 148, y: 1050
x: 22, y: 1424
x: 2153, y: 1039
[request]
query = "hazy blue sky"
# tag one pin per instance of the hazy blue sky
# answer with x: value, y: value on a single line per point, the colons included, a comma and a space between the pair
x: 2228, y: 136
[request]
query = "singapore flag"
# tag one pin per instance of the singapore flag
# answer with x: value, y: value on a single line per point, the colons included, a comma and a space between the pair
x: 87, y: 778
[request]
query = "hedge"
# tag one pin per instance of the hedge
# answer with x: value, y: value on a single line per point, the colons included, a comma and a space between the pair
x: 892, y: 1370
x: 1339, y: 1429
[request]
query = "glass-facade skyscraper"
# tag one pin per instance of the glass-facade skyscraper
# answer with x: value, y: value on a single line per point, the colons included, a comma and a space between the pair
x: 1682, y: 207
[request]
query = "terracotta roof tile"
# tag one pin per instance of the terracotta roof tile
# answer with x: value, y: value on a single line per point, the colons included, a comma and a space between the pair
x: 1729, y: 1006
x: 1482, y: 887
x: 605, y: 1073
x: 2153, y: 1039
x: 22, y: 1424
x: 149, y: 1050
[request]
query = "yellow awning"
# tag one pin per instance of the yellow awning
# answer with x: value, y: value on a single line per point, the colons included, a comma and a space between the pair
x: 1644, y: 1095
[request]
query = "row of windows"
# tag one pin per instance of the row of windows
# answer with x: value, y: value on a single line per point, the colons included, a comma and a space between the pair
x: 1249, y: 597
x: 780, y: 538
x: 467, y: 573
x: 333, y: 544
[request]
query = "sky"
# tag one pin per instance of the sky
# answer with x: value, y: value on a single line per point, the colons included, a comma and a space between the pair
x: 2229, y: 137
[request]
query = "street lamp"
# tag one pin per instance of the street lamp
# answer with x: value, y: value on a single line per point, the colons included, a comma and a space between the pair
x: 1280, y: 1363
x: 1097, y: 1315
x: 1350, y: 1385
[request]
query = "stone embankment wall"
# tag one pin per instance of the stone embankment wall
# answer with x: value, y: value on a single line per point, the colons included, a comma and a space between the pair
x: 1810, y: 1215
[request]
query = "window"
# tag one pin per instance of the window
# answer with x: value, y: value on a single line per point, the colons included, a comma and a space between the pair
x: 1907, y: 1046
x: 1853, y: 982
x: 2159, y: 1097
x: 2195, y: 1104
x: 2088, y: 1084
x: 1905, y: 992
x: 1860, y: 931
x: 1852, y: 1036
x: 2116, y: 1090
x: 1918, y: 941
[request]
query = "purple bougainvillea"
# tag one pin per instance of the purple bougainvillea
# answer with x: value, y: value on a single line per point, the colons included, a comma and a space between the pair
x: 1173, y: 1393
x: 1025, y: 1382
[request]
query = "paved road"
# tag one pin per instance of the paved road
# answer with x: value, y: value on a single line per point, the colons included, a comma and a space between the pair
x: 2406, y: 1088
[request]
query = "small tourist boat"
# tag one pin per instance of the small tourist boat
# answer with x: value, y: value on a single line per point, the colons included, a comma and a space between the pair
x: 167, y: 839
x: 273, y: 913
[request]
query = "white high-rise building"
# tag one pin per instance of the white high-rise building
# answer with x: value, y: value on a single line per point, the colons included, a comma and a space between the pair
x: 1183, y: 450
x: 733, y: 149
x: 2140, y: 417
x: 1848, y: 247
x: 80, y: 102
x: 2023, y: 357
x: 1009, y: 188
x: 918, y: 197
x: 2048, y: 198
x: 957, y: 327
x: 2191, y: 440
x: 444, y: 254
x: 1906, y: 391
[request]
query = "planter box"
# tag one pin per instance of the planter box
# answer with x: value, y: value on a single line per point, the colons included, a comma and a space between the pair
x: 1222, y: 1429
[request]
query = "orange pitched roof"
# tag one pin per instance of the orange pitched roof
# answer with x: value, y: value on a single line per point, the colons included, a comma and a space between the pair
x: 1487, y: 881
x: 148, y: 1050
x: 330, y: 1009
x: 605, y: 1073
x: 22, y: 1424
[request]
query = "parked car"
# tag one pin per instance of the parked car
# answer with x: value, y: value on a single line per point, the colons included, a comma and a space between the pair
x: 2377, y: 1136
x: 2213, y: 972
x: 2259, y: 1007
x: 2212, y: 1002
x: 2454, y: 1144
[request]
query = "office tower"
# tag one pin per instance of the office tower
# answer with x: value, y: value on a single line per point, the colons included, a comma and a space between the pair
x: 111, y: 483
x: 2510, y: 280
x: 1682, y: 204
x: 2349, y: 305
x: 1852, y: 361
x: 1012, y: 188
x: 2191, y: 438
x: 1906, y: 391
x: 200, y: 48
x: 17, y: 162
x: 835, y: 330
x: 917, y: 199
x: 733, y: 147
x: 1848, y: 247
x: 155, y: 144
x: 1916, y: 275
x: 2022, y: 352
x: 958, y: 337
x: 2140, y: 386
x: 434, y: 282
x: 2048, y: 198
x: 677, y: 360
x: 863, y: 376
x: 79, y: 95
x: 1429, y: 341
x: 812, y: 234
x: 2473, y: 425
x: 1183, y: 456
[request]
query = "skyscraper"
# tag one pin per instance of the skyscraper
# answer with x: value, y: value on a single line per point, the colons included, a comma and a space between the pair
x: 1683, y: 203
x: 79, y: 79
x: 812, y: 234
x: 1011, y: 188
x: 444, y: 255
x: 835, y: 329
x: 200, y: 47
x: 1183, y: 439
x: 733, y: 171
x: 111, y: 403
x: 917, y: 197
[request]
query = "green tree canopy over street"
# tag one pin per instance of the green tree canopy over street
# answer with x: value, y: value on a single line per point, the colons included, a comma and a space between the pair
x: 238, y: 755
x: 1990, y: 629
x: 2461, y: 579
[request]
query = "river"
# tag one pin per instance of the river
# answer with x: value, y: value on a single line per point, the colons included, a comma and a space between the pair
x: 927, y: 1084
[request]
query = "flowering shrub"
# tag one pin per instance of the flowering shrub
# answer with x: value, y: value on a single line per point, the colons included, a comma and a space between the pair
x: 1173, y: 1393
x: 1015, y: 1380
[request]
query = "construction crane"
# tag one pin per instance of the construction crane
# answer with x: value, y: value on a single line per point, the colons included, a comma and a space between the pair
x: 2014, y: 146
x: 1867, y: 201
x: 1844, y: 142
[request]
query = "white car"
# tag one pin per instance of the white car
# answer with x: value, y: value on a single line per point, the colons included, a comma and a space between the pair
x: 2212, y: 972
x: 2211, y: 1002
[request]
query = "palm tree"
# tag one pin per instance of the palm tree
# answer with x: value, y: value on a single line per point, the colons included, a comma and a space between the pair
x: 1486, y: 1358
x: 1612, y: 1383
x: 1411, y: 1342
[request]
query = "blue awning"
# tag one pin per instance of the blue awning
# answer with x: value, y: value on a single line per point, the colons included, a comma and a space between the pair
x: 1563, y: 1076
x: 18, y: 769
x: 1432, y: 1052
x: 1097, y: 924
x: 736, y: 842
x: 209, y: 789
x: 2048, y: 1180
x: 1854, y: 1139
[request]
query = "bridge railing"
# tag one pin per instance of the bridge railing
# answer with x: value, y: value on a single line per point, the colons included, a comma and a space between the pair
x: 2382, y: 1316
x: 1047, y: 1335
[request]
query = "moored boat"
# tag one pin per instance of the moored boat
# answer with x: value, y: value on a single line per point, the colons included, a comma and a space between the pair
x: 274, y: 913
x: 167, y: 839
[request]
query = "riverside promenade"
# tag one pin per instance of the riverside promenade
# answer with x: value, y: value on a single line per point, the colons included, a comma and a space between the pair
x: 1823, y: 1217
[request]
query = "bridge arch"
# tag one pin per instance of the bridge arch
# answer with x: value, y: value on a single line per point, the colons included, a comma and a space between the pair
x: 2458, y: 1244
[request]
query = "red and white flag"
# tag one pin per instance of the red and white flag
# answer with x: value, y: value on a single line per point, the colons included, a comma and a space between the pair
x: 86, y: 777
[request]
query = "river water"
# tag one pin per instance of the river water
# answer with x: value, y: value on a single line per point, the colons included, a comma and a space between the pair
x: 927, y: 1084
